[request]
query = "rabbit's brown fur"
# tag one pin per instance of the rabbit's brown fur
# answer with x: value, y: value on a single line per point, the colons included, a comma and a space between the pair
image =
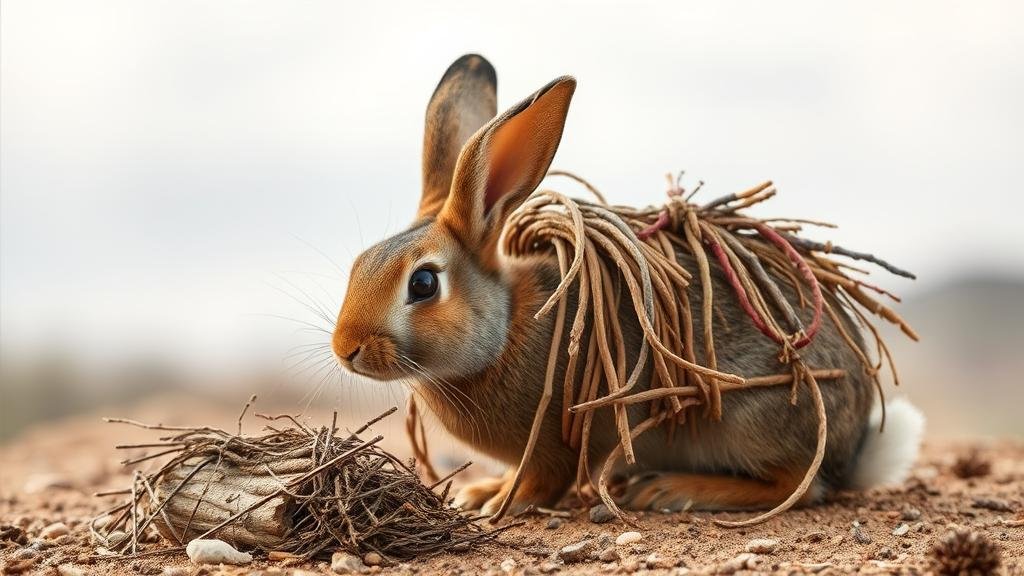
x: 479, y: 356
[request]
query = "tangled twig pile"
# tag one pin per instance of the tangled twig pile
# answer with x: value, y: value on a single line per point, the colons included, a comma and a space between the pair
x: 601, y: 248
x: 294, y: 489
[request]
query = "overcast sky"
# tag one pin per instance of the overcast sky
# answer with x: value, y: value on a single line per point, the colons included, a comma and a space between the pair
x: 169, y: 170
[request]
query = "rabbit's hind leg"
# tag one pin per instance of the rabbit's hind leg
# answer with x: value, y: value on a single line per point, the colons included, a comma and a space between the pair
x: 679, y: 491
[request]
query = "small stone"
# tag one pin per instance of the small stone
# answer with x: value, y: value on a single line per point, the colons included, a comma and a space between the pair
x: 68, y: 570
x: 627, y: 538
x: 212, y: 551
x: 508, y: 565
x: 554, y: 523
x: 372, y: 559
x: 744, y: 561
x: 885, y: 554
x: 577, y: 552
x: 858, y: 535
x: 600, y: 514
x: 609, y: 554
x: 116, y: 537
x: 814, y: 537
x: 604, y: 540
x: 37, y: 483
x: 994, y: 504
x: 174, y: 571
x: 901, y: 530
x: 345, y: 563
x: 549, y: 567
x: 910, y: 514
x: 654, y: 561
x: 762, y: 545
x: 55, y: 530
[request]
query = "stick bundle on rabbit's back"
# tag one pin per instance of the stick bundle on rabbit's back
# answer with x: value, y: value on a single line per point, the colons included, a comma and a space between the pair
x: 449, y: 308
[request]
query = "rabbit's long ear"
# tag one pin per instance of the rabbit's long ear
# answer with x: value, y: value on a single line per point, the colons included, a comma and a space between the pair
x: 503, y: 163
x: 464, y: 100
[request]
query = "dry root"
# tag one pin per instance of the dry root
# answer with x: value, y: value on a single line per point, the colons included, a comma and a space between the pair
x: 293, y: 489
x: 610, y: 253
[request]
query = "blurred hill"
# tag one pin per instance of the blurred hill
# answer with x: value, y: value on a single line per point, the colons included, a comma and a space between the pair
x: 965, y: 373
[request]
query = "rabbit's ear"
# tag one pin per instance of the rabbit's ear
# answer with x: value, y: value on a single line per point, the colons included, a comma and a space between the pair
x: 465, y: 99
x: 504, y: 162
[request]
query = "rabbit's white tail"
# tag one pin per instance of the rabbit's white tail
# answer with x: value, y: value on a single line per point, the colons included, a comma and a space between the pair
x: 886, y: 457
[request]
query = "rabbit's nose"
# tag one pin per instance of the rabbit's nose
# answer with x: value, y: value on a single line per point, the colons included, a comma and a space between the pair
x: 355, y: 353
x: 347, y: 346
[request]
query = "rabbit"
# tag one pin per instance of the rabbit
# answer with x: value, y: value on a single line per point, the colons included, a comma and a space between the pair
x: 440, y: 305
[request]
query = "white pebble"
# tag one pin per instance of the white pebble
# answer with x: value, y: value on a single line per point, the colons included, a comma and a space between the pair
x: 69, y: 570
x: 762, y: 545
x: 901, y: 530
x: 211, y: 551
x: 627, y: 538
x: 55, y: 530
x: 508, y: 565
x: 345, y: 563
x: 372, y: 559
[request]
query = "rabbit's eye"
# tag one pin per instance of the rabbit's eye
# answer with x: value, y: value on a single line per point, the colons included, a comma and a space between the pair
x: 422, y: 284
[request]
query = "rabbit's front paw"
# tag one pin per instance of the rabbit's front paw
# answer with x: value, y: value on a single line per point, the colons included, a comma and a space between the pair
x: 475, y: 495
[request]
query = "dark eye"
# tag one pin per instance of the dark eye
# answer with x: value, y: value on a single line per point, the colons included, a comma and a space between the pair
x: 422, y: 284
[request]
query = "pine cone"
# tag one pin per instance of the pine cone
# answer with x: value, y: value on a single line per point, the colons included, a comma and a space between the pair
x: 971, y: 465
x: 964, y: 552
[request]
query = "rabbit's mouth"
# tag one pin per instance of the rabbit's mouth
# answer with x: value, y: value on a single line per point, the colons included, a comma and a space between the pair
x: 376, y: 357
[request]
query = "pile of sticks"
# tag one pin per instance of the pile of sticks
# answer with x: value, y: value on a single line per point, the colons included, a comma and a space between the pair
x: 292, y: 491
x: 601, y: 248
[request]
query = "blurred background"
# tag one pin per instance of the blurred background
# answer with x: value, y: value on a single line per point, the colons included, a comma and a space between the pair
x: 184, y: 184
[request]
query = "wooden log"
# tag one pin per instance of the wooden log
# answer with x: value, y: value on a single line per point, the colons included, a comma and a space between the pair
x: 221, y: 493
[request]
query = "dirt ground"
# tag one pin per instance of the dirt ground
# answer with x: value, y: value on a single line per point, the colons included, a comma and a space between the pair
x: 49, y: 475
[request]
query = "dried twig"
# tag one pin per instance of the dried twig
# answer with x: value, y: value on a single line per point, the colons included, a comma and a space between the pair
x: 599, y: 246
x: 298, y: 490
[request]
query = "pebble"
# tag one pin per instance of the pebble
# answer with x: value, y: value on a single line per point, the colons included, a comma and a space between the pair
x: 762, y: 545
x: 653, y: 561
x: 174, y: 571
x: 345, y: 563
x: 600, y: 514
x: 508, y: 565
x: 37, y: 483
x: 901, y: 530
x: 627, y: 538
x: 745, y: 561
x: 55, y: 530
x: 994, y: 504
x: 609, y: 554
x: 548, y: 567
x: 372, y: 559
x: 68, y: 570
x: 910, y: 514
x: 885, y: 554
x: 859, y: 534
x: 212, y: 551
x: 813, y: 537
x: 555, y: 523
x: 577, y: 552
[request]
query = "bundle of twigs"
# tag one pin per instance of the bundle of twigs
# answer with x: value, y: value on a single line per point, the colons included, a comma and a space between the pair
x: 601, y: 248
x: 292, y: 490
